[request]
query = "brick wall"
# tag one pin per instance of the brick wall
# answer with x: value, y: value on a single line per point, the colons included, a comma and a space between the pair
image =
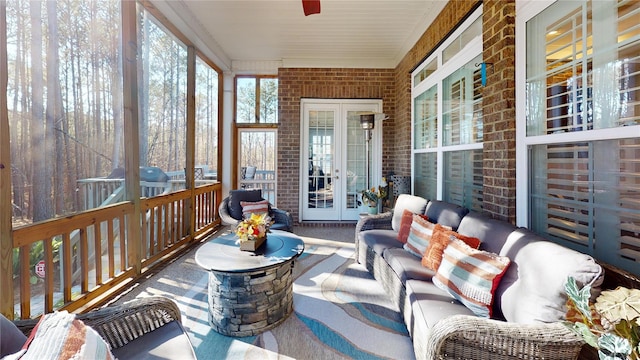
x: 297, y: 83
x: 498, y: 99
x: 393, y: 86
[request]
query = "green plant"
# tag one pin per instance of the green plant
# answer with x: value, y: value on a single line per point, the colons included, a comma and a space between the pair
x: 371, y: 196
x: 610, y: 324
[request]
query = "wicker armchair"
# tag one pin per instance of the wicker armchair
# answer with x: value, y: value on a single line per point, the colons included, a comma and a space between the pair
x: 120, y: 325
x: 283, y: 220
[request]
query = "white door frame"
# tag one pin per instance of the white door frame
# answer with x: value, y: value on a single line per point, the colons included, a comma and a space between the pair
x: 341, y: 106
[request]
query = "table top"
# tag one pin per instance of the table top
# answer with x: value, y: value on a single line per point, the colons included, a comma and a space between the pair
x: 223, y: 254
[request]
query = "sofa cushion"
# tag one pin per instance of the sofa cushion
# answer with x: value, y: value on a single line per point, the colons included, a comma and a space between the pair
x: 406, y: 265
x: 492, y: 232
x: 415, y: 204
x: 380, y: 240
x: 439, y: 241
x: 471, y: 276
x: 532, y: 289
x: 169, y: 341
x: 11, y: 338
x: 430, y: 304
x: 419, y: 236
x: 236, y: 196
x: 445, y: 213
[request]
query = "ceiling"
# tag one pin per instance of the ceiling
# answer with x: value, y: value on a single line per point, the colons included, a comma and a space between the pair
x: 255, y: 35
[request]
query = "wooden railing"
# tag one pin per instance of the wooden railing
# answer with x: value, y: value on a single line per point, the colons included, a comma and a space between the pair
x: 76, y: 274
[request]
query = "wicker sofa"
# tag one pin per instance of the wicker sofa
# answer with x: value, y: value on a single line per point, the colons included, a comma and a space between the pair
x: 144, y: 328
x: 527, y: 305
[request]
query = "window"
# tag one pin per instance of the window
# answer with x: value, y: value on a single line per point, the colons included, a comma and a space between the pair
x: 580, y: 139
x: 207, y: 111
x: 447, y: 119
x: 256, y: 100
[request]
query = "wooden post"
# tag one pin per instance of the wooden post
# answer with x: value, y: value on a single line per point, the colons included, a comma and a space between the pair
x: 190, y: 211
x: 131, y: 130
x: 6, y: 239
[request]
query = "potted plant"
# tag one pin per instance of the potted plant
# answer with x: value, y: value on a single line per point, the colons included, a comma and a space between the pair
x: 373, y: 196
x: 252, y: 231
x: 610, y: 325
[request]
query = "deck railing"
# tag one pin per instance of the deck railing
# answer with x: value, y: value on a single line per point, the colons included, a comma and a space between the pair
x: 89, y: 255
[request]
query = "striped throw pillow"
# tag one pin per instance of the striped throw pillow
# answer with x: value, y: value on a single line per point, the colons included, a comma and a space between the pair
x: 439, y: 241
x: 419, y: 236
x: 471, y: 276
x: 257, y: 207
x: 59, y: 335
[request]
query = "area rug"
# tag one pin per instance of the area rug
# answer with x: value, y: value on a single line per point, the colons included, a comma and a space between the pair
x: 340, y: 312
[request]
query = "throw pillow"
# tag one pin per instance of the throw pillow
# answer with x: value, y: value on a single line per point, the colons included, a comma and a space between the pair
x: 441, y: 237
x: 471, y: 276
x: 59, y: 335
x: 419, y: 236
x: 405, y: 226
x: 257, y: 207
x: 235, y: 196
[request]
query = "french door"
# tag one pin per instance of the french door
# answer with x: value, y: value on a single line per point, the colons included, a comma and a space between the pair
x: 334, y: 164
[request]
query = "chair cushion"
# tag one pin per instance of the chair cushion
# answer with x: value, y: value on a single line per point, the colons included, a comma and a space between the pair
x: 169, y: 341
x: 540, y: 296
x: 445, y: 213
x: 11, y: 338
x: 430, y: 304
x: 415, y: 204
x: 236, y: 196
x: 471, y: 276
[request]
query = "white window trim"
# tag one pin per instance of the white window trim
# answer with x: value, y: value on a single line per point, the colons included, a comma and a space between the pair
x: 473, y: 48
x: 525, y: 11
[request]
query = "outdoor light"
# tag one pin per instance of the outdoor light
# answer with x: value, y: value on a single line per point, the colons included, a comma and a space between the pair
x: 367, y: 121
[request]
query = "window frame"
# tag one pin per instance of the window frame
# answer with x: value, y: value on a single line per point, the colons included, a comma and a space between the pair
x: 420, y: 83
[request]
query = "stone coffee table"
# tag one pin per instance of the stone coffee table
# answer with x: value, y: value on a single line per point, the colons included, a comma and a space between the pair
x: 249, y: 292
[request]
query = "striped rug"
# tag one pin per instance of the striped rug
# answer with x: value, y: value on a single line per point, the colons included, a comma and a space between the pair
x: 340, y: 311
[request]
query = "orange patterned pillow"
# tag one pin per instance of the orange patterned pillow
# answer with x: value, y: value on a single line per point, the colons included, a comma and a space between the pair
x: 405, y: 226
x: 442, y: 236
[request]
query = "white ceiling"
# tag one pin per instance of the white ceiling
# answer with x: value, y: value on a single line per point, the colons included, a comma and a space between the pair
x: 247, y: 35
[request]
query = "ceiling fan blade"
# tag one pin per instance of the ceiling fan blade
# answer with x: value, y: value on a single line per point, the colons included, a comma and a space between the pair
x: 311, y: 7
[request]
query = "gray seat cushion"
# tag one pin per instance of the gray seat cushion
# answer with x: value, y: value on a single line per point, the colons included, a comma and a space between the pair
x: 415, y: 204
x: 430, y: 304
x: 380, y: 240
x: 491, y: 232
x: 446, y: 214
x: 407, y: 266
x: 11, y: 338
x: 532, y: 288
x: 167, y: 342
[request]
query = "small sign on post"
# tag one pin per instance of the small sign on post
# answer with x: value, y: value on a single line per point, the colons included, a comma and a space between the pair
x: 39, y: 269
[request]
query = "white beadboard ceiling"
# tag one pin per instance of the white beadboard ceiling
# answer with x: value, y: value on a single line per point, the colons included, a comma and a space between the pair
x: 255, y: 35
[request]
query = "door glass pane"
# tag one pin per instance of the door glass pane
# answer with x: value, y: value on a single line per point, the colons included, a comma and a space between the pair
x: 356, y: 165
x: 321, y: 154
x: 258, y: 162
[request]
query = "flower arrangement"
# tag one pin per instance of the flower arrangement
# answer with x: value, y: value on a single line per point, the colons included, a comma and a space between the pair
x: 610, y: 325
x: 372, y: 196
x: 254, y: 227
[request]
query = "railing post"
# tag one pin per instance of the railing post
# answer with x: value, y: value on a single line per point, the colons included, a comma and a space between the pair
x: 132, y: 139
x: 6, y: 239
